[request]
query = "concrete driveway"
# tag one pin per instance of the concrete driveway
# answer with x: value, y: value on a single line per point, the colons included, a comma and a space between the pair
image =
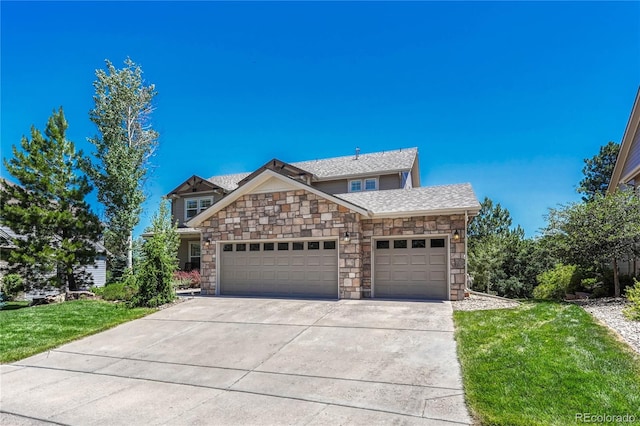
x: 245, y: 361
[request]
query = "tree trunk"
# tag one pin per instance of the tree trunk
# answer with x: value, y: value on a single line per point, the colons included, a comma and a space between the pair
x: 616, y: 279
x: 130, y: 251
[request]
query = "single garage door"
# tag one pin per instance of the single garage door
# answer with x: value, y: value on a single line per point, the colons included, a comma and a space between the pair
x: 284, y: 268
x: 412, y: 268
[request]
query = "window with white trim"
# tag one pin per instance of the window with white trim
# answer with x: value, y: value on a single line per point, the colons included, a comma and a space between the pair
x: 194, y: 254
x: 368, y: 184
x: 355, y: 185
x: 194, y: 206
x: 371, y: 184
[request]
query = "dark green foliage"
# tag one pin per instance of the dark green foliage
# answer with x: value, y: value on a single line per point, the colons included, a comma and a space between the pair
x: 597, y: 171
x: 159, y: 261
x: 12, y: 285
x: 557, y: 282
x: 633, y: 295
x: 597, y: 234
x: 491, y: 220
x: 124, y: 145
x: 514, y: 288
x: 501, y: 259
x: 48, y: 208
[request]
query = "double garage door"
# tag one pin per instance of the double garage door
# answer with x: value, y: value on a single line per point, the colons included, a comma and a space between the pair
x: 412, y: 268
x: 283, y: 268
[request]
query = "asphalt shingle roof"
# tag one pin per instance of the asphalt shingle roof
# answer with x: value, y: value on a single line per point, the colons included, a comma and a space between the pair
x: 377, y: 162
x: 337, y: 167
x: 426, y: 198
x: 228, y: 182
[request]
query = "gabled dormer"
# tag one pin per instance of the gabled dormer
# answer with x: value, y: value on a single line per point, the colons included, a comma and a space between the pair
x: 192, y: 197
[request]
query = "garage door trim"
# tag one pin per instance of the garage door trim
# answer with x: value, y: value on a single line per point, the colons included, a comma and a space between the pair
x: 220, y: 243
x: 447, y: 239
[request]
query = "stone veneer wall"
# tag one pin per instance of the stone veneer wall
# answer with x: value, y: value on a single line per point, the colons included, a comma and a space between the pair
x: 422, y: 225
x: 285, y: 215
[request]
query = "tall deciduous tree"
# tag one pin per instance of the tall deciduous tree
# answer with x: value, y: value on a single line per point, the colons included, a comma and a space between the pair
x: 48, y: 209
x: 597, y: 171
x: 124, y: 146
x: 598, y: 233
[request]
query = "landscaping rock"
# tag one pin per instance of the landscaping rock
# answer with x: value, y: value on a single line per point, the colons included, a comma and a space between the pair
x: 608, y: 310
x: 77, y: 295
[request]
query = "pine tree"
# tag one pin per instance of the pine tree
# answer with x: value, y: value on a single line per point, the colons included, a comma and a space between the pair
x: 124, y: 146
x: 48, y: 209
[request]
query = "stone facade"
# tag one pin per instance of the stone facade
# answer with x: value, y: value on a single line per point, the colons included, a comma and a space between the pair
x: 420, y: 225
x: 302, y: 214
x: 286, y: 215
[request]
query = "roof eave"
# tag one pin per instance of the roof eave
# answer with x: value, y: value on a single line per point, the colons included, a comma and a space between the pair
x: 471, y: 211
x: 627, y: 140
x: 359, y: 175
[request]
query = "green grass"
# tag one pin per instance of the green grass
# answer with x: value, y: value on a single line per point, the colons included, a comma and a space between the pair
x: 543, y: 363
x: 28, y: 331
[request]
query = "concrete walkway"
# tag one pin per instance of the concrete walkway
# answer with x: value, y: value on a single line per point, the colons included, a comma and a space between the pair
x: 244, y: 361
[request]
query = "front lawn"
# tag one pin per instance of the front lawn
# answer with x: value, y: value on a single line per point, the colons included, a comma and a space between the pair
x: 28, y: 331
x: 544, y: 364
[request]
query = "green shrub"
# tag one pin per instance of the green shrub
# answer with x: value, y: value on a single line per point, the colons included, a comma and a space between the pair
x: 599, y: 291
x: 12, y: 284
x: 159, y: 261
x: 633, y: 295
x: 557, y: 282
x: 513, y: 288
x: 119, y: 291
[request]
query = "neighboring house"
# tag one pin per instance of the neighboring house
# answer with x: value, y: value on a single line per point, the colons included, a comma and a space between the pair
x: 346, y: 227
x: 626, y: 172
x: 98, y: 270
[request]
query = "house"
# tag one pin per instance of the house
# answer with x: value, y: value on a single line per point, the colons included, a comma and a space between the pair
x: 358, y: 226
x: 97, y: 271
x: 626, y: 172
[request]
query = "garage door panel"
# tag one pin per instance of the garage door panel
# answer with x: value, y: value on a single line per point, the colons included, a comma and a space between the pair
x: 410, y: 270
x: 282, y: 275
x: 314, y: 260
x: 400, y: 259
x: 297, y: 261
x: 437, y: 276
x: 280, y: 272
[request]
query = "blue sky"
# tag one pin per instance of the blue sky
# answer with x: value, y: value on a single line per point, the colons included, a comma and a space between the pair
x: 508, y: 96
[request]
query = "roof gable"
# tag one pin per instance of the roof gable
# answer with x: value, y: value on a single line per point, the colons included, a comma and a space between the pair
x: 278, y: 167
x: 628, y: 161
x: 195, y: 184
x: 257, y: 183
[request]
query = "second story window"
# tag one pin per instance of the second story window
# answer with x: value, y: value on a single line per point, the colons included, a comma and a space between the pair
x: 368, y: 184
x: 194, y: 206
